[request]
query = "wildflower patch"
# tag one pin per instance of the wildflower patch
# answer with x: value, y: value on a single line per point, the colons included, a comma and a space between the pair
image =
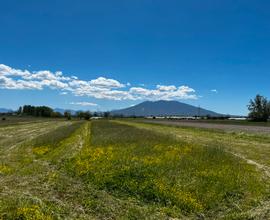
x: 40, y: 150
x: 33, y: 212
x: 4, y: 169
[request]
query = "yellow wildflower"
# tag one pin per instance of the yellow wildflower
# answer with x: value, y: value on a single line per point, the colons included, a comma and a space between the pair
x: 32, y: 213
x: 4, y: 169
x: 40, y: 150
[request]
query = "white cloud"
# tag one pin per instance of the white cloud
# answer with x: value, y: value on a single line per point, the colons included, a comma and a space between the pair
x: 8, y: 71
x: 100, y: 88
x: 166, y: 88
x: 214, y: 90
x: 9, y: 83
x: 83, y: 103
x: 163, y: 93
x: 63, y: 93
x: 55, y: 84
x: 107, y: 83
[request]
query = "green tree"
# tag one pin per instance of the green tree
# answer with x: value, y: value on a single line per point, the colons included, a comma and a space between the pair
x: 20, y: 111
x: 56, y: 115
x: 80, y: 114
x: 67, y: 115
x: 259, y: 108
x: 87, y: 115
x: 106, y: 114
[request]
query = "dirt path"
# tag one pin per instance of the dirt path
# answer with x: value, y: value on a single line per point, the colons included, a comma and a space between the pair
x: 259, y: 166
x: 225, y: 127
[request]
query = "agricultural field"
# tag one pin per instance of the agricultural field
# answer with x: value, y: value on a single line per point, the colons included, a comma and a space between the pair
x: 128, y: 169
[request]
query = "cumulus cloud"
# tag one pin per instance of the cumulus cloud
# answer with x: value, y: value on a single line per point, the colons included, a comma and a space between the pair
x: 99, y: 88
x: 9, y: 83
x: 166, y: 88
x: 83, y: 103
x: 164, y: 93
x: 106, y: 83
x: 8, y: 71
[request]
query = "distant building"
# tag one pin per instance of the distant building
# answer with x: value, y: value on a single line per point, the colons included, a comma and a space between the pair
x: 239, y: 119
x: 95, y: 118
x: 174, y: 117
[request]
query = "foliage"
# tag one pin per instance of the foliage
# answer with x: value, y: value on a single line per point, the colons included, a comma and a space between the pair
x: 106, y: 114
x: 87, y: 115
x: 20, y: 111
x: 43, y: 111
x: 56, y: 115
x: 38, y: 111
x: 67, y: 114
x: 259, y: 108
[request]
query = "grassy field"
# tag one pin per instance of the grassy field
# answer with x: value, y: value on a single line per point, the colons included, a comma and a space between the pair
x: 131, y: 170
x: 222, y: 122
x: 235, y: 122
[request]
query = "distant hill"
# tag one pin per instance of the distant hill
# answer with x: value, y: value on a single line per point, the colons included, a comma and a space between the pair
x: 62, y: 111
x: 5, y: 110
x: 163, y: 108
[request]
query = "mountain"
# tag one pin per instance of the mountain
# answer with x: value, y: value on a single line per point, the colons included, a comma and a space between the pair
x: 163, y: 108
x: 5, y: 110
x: 62, y: 111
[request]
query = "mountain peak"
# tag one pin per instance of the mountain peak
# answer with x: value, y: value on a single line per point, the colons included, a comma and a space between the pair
x: 164, y: 108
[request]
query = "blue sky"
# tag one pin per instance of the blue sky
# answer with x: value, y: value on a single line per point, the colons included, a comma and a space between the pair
x: 114, y: 54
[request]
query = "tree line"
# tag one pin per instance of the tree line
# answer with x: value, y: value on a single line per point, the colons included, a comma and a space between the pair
x: 38, y: 111
x: 45, y: 111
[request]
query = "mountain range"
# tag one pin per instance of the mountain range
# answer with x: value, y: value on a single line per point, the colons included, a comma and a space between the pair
x: 5, y: 110
x: 151, y: 108
x: 62, y: 111
x: 164, y: 108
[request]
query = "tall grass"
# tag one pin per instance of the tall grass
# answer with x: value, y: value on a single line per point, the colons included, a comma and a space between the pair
x: 162, y: 171
x: 106, y: 170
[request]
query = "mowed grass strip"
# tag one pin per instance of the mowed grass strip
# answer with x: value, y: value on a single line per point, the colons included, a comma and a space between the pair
x: 13, y: 136
x: 175, y: 177
x: 31, y: 177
